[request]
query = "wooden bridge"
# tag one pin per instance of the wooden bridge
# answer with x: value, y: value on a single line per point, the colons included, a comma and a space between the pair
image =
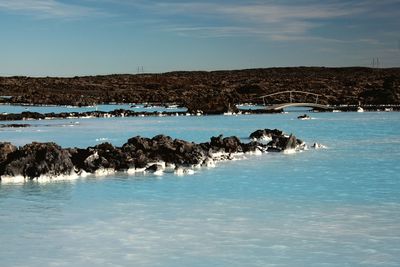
x: 292, y: 103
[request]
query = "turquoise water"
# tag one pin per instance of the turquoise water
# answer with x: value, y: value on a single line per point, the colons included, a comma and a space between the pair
x: 338, y: 206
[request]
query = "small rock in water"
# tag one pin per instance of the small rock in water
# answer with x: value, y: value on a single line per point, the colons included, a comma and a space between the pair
x: 318, y: 146
x: 304, y: 117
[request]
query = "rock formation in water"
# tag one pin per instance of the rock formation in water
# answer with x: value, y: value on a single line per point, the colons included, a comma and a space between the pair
x: 277, y: 140
x: 265, y: 134
x: 14, y: 125
x: 138, y: 153
x: 27, y: 115
x: 34, y: 160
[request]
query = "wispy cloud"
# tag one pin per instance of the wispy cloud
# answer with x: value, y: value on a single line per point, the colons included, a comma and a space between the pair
x: 48, y: 9
x: 266, y: 19
x: 256, y: 19
x: 272, y: 20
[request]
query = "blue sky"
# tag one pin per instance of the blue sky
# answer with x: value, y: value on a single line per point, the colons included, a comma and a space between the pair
x: 67, y: 38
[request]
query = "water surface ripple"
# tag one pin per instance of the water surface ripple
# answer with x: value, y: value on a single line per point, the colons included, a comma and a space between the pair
x: 338, y: 206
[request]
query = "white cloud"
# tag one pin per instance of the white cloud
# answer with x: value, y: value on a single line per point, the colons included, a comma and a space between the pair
x: 48, y: 8
x: 269, y: 19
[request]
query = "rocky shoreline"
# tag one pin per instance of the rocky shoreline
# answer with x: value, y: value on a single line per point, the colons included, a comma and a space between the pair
x: 212, y: 92
x: 27, y: 115
x: 139, y: 154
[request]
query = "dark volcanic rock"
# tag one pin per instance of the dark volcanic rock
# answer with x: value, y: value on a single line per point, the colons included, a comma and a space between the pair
x: 304, y: 117
x: 291, y: 142
x: 253, y: 146
x: 210, y: 104
x: 232, y: 144
x: 65, y: 115
x: 110, y: 157
x: 282, y: 143
x: 15, y: 125
x: 36, y: 159
x: 154, y: 168
x: 6, y: 149
x: 266, y: 133
x: 213, y: 92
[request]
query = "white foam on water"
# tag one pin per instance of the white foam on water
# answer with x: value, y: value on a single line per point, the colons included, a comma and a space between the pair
x: 101, y: 139
x: 180, y: 171
x: 289, y: 151
x: 237, y: 156
x: 266, y: 138
x: 104, y: 172
x: 256, y: 152
x: 209, y: 163
x: 170, y: 167
x: 83, y: 173
x: 135, y: 170
x: 318, y: 146
x: 13, y: 179
x: 42, y: 179
x: 219, y: 156
x: 158, y: 173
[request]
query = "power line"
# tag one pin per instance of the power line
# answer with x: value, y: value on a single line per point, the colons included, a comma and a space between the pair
x: 140, y: 69
x: 376, y: 63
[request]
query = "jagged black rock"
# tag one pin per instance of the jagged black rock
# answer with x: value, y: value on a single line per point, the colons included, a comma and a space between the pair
x: 49, y: 159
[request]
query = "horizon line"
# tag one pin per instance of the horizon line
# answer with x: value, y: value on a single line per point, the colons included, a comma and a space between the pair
x: 6, y: 75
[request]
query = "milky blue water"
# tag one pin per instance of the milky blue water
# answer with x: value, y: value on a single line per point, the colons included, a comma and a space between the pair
x: 338, y: 206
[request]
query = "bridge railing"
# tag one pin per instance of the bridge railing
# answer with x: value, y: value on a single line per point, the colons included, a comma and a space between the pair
x: 290, y: 95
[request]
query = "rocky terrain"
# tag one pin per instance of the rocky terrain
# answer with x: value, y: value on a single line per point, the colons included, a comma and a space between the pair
x: 27, y: 115
x: 212, y: 92
x: 155, y: 154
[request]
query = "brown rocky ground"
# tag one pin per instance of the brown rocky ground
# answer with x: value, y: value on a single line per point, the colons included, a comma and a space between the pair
x: 211, y: 91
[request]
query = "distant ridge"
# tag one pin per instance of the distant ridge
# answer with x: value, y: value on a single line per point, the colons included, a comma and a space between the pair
x: 339, y: 85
